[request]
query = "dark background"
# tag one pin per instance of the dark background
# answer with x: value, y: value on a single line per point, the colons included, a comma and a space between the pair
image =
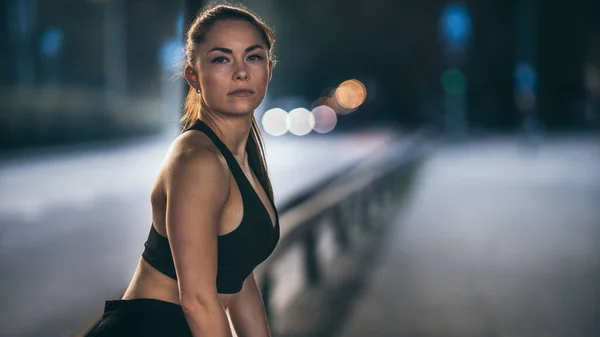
x: 106, y: 80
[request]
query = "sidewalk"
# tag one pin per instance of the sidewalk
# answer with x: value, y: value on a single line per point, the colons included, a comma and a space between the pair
x: 493, y: 244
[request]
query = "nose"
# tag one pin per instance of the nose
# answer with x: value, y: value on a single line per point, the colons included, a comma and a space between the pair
x: 241, y: 73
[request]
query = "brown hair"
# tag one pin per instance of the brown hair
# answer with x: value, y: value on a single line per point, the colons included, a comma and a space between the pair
x: 194, y: 103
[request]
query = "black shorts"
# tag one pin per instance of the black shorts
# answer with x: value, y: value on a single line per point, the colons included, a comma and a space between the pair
x: 141, y: 317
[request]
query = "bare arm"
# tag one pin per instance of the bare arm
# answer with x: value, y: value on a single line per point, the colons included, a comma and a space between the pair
x: 247, y: 311
x: 197, y: 189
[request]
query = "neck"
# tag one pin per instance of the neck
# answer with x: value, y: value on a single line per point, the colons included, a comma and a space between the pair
x: 233, y: 132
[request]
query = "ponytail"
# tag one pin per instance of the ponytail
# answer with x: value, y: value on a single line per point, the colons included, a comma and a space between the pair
x: 256, y: 158
x: 191, y: 108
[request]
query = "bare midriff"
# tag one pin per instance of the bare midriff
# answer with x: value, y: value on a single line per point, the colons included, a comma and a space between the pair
x: 148, y: 282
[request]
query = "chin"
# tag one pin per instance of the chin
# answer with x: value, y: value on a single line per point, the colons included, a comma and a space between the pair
x: 241, y: 109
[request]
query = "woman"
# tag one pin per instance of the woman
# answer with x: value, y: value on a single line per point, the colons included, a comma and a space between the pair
x: 213, y: 214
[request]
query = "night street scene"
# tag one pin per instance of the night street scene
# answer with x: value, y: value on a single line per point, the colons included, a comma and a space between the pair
x: 435, y: 164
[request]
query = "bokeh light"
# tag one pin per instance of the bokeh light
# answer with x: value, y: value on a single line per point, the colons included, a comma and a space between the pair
x: 274, y: 121
x: 322, y: 119
x: 324, y: 100
x: 350, y: 94
x: 454, y: 82
x: 298, y: 121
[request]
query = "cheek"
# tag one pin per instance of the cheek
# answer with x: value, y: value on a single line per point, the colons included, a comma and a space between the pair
x: 212, y: 87
x: 262, y: 76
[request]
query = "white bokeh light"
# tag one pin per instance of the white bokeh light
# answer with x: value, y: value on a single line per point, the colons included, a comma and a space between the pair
x: 299, y: 122
x: 274, y: 122
x: 322, y: 119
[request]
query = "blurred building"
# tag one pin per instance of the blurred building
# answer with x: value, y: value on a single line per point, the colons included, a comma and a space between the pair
x: 74, y: 70
x: 78, y: 70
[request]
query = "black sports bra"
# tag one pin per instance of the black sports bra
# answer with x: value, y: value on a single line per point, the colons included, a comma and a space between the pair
x: 239, y: 251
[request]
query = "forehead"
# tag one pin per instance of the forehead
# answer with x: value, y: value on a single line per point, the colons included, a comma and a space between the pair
x: 232, y: 34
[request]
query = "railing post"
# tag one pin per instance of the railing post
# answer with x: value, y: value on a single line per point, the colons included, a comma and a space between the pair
x: 340, y: 227
x: 311, y: 263
x: 363, y: 206
x: 265, y: 290
x: 382, y: 205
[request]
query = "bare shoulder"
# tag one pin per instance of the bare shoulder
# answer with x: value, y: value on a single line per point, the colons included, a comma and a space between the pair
x: 194, y: 159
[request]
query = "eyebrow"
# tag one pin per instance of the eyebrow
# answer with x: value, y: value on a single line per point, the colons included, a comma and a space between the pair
x: 229, y: 51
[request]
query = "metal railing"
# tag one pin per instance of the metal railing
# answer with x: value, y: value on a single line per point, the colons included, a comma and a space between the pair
x: 358, y: 202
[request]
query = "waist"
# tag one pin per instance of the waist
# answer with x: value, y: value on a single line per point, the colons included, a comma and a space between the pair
x: 149, y: 283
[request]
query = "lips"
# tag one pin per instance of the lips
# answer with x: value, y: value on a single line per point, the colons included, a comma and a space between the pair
x: 241, y: 92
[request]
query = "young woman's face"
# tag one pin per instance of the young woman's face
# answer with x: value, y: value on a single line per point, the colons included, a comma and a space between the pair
x: 234, y: 68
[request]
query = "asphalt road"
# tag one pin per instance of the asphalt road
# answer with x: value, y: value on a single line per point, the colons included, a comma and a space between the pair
x: 496, y: 241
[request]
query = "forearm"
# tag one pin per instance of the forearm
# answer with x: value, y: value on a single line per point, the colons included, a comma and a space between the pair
x: 250, y: 324
x: 207, y: 320
x: 247, y: 312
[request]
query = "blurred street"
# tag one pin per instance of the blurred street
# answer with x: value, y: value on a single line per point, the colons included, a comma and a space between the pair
x: 72, y: 226
x: 436, y: 165
x: 495, y: 242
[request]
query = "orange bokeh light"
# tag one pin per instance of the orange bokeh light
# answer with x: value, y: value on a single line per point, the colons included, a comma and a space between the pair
x: 350, y: 94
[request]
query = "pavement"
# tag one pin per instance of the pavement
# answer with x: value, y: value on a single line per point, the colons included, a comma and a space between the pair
x: 497, y: 240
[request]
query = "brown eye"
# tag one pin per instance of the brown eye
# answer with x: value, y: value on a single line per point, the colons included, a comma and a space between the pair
x: 255, y: 57
x: 219, y: 59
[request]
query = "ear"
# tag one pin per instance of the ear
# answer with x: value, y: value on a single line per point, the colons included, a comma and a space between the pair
x: 270, y: 70
x: 192, y: 77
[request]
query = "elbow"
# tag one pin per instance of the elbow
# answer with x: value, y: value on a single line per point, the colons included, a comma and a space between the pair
x: 205, y: 315
x: 194, y: 304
